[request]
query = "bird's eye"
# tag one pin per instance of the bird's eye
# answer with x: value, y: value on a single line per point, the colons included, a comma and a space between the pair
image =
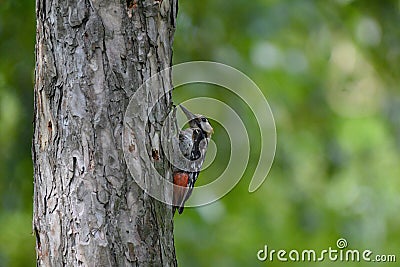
x: 204, y: 119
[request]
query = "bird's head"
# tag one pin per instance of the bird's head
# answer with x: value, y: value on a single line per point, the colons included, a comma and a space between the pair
x: 198, y: 121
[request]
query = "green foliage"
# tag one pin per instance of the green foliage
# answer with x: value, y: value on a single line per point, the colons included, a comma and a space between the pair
x: 17, y: 42
x: 330, y: 72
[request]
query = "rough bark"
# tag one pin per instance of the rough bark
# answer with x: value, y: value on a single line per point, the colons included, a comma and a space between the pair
x: 91, y: 56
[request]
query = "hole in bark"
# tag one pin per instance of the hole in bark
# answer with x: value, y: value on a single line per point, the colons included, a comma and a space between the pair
x: 131, y: 148
x: 130, y: 3
x: 49, y: 126
x: 154, y: 154
x: 50, y: 129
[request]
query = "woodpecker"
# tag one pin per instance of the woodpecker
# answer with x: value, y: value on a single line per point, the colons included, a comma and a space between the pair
x: 193, y: 143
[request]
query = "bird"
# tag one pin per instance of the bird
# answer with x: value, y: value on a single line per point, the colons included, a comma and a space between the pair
x: 193, y: 144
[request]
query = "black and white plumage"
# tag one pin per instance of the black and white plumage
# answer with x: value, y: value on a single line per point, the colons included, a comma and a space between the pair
x: 193, y: 143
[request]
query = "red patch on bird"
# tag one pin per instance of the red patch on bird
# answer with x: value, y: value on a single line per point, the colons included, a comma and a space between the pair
x: 181, y: 179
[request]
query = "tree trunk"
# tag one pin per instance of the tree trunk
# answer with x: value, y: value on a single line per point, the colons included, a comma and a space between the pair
x: 91, y: 56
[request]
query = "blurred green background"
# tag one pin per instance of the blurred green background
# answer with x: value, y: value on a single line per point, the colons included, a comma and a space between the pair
x: 330, y: 71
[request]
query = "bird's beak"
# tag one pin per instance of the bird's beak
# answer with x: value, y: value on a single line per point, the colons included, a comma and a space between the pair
x: 188, y: 114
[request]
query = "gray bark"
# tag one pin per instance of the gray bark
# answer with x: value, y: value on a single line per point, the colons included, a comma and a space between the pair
x: 91, y: 56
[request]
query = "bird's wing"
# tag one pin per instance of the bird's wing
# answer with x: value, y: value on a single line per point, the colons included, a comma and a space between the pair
x: 186, y: 142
